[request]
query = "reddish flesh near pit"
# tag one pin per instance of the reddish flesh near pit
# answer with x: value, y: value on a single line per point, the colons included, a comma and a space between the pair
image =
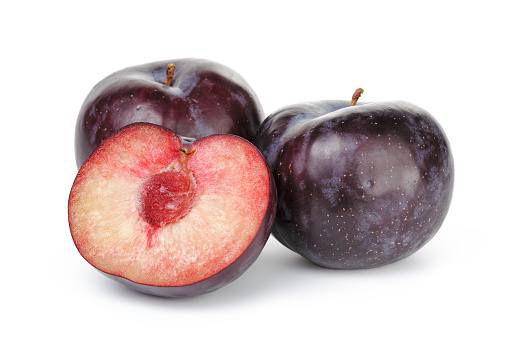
x: 118, y: 227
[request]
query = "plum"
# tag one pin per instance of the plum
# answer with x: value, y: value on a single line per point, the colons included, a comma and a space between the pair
x: 172, y: 217
x: 192, y: 97
x: 359, y: 186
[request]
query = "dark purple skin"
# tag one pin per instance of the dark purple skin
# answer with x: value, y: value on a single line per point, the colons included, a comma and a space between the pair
x: 358, y: 187
x: 204, y: 98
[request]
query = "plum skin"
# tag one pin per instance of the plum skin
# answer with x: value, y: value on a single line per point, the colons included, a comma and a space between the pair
x: 358, y: 187
x: 204, y: 98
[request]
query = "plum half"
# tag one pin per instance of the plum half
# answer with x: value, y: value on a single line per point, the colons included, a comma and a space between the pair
x: 169, y: 216
x: 359, y: 186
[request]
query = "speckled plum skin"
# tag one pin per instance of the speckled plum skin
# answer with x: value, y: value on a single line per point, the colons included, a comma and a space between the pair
x: 358, y: 186
x: 204, y: 98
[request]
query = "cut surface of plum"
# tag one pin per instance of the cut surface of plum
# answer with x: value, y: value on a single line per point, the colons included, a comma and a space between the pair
x: 149, y: 209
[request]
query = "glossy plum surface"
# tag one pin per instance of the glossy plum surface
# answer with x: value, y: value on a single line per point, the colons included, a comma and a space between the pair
x: 358, y: 187
x: 204, y: 98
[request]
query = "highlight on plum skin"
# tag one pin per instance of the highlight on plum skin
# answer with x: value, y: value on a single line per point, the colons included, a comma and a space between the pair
x: 170, y: 219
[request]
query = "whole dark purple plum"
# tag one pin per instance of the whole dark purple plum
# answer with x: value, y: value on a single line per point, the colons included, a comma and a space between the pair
x: 193, y: 97
x: 359, y: 186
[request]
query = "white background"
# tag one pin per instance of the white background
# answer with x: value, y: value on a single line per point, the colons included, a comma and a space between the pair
x: 445, y: 56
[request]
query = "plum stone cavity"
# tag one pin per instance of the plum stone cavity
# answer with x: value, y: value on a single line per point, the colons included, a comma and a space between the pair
x: 167, y: 197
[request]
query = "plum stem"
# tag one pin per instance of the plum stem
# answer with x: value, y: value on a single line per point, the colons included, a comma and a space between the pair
x: 169, y: 73
x: 356, y: 96
x: 187, y: 151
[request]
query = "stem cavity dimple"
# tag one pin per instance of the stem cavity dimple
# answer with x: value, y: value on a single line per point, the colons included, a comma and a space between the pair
x: 169, y: 74
x: 187, y: 151
x: 356, y: 96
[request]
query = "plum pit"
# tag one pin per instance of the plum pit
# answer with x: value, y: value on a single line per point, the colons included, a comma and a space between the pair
x: 166, y: 197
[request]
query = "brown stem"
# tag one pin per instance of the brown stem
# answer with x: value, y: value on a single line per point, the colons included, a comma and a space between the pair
x: 187, y: 151
x: 356, y: 96
x: 169, y: 74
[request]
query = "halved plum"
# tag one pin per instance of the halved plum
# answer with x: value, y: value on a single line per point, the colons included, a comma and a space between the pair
x: 169, y: 217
